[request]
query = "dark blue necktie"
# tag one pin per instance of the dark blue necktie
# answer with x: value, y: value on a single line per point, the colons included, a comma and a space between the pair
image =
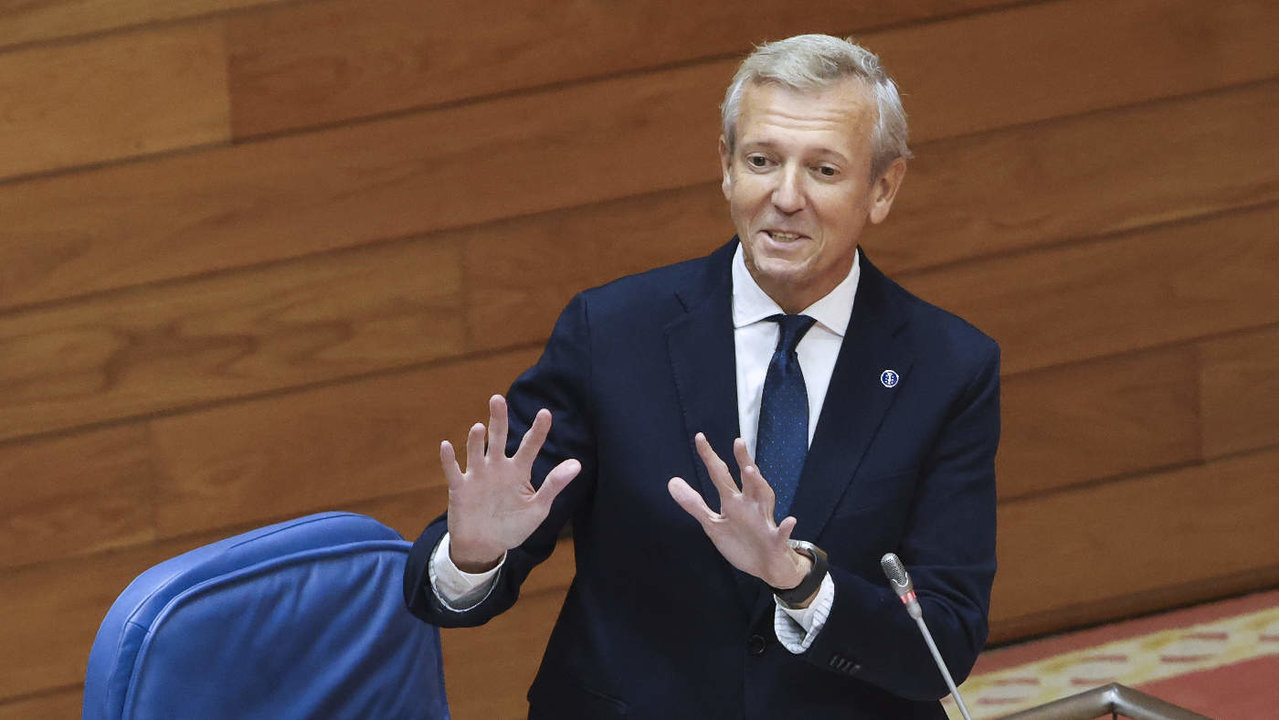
x: 782, y: 441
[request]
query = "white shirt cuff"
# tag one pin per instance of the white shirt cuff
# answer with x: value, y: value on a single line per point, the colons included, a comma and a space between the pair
x: 456, y: 590
x: 797, y: 628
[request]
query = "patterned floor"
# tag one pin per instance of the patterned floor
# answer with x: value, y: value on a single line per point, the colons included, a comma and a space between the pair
x: 1220, y: 660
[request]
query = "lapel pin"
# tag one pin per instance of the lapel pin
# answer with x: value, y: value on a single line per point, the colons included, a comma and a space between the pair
x: 889, y: 378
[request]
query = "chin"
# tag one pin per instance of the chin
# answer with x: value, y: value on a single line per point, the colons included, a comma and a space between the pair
x: 781, y: 271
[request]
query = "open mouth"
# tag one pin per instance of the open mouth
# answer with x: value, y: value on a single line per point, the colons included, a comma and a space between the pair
x: 783, y: 237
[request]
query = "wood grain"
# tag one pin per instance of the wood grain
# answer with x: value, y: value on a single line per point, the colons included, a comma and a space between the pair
x: 111, y: 98
x: 222, y: 337
x: 1087, y: 421
x: 468, y: 165
x: 29, y: 22
x: 1082, y: 176
x: 296, y: 67
x: 304, y: 194
x: 1240, y: 392
x: 1152, y: 287
x: 53, y: 705
x: 1111, y: 543
x: 522, y: 272
x: 1053, y: 182
x: 76, y: 495
x: 321, y: 448
x: 1052, y: 59
x: 52, y: 611
x: 159, y: 349
x: 319, y: 63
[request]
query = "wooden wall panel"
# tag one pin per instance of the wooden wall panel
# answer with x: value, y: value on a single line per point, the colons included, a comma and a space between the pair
x: 319, y: 63
x: 1156, y: 286
x: 230, y: 335
x: 458, y: 166
x: 52, y: 611
x: 518, y: 275
x: 1053, y: 59
x: 75, y: 495
x: 310, y: 193
x: 1086, y: 421
x: 407, y: 513
x: 55, y: 705
x: 1241, y: 391
x: 342, y: 61
x: 957, y: 204
x: 1081, y: 176
x: 321, y: 448
x: 31, y: 22
x: 198, y: 337
x: 610, y: 240
x: 111, y: 98
x: 149, y: 344
x: 1135, y: 545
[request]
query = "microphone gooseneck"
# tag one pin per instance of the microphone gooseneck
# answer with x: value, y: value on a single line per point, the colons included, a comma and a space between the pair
x: 901, y: 583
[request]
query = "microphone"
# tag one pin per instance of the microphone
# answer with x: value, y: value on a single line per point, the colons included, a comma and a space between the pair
x: 900, y: 581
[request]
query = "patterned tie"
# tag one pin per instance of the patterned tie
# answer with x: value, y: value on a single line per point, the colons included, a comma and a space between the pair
x: 782, y: 441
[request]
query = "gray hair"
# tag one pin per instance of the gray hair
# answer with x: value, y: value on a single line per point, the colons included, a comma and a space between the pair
x: 815, y: 62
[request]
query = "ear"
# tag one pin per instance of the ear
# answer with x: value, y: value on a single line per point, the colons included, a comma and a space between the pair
x: 725, y: 166
x: 885, y: 189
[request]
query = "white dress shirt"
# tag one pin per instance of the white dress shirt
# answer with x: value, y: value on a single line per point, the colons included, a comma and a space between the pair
x: 755, y: 339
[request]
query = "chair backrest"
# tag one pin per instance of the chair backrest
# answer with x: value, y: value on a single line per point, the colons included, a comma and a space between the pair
x: 303, y: 619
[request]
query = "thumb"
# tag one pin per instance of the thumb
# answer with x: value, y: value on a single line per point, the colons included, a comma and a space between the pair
x: 556, y: 480
x: 690, y: 500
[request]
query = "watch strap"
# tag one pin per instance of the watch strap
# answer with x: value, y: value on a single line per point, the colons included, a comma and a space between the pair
x: 812, y: 581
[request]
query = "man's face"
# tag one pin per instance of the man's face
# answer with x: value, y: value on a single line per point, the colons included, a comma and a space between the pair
x: 799, y: 188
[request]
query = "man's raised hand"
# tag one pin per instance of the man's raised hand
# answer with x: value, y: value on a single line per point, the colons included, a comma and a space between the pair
x: 492, y: 504
x: 743, y: 530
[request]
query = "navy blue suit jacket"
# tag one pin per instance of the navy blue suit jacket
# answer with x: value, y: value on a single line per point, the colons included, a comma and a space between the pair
x: 656, y: 623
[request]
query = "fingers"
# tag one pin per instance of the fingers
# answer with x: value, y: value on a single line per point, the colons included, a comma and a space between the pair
x: 498, y: 421
x: 715, y: 467
x: 690, y: 500
x: 754, y: 485
x: 741, y: 453
x: 531, y: 443
x: 448, y: 461
x: 786, y: 527
x: 475, y: 446
x: 555, y: 481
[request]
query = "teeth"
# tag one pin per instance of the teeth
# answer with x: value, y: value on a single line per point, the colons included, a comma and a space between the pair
x: 784, y: 236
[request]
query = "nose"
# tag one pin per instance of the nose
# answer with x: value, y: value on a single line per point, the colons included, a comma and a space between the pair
x: 788, y: 193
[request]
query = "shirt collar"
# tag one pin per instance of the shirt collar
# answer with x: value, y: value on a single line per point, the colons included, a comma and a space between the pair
x: 751, y: 304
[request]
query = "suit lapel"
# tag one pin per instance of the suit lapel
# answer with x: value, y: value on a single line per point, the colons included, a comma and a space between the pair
x: 856, y: 401
x: 703, y: 360
x: 703, y: 355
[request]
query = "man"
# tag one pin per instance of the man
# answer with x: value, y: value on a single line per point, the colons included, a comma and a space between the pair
x: 873, y: 414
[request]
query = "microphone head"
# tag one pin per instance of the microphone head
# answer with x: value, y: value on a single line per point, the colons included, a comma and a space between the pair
x: 896, y: 574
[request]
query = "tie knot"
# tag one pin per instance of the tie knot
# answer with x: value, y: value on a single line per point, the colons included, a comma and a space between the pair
x: 793, y: 328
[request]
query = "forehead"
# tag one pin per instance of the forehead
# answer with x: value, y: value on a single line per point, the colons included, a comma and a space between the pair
x: 842, y: 113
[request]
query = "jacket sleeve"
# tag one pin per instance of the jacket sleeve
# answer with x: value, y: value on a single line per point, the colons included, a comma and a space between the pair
x: 948, y: 546
x: 559, y: 382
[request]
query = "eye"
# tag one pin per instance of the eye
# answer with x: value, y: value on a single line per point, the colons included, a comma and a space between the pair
x: 758, y: 161
x: 827, y: 171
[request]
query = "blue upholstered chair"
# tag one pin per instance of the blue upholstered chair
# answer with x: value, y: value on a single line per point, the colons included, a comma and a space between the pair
x: 304, y: 619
